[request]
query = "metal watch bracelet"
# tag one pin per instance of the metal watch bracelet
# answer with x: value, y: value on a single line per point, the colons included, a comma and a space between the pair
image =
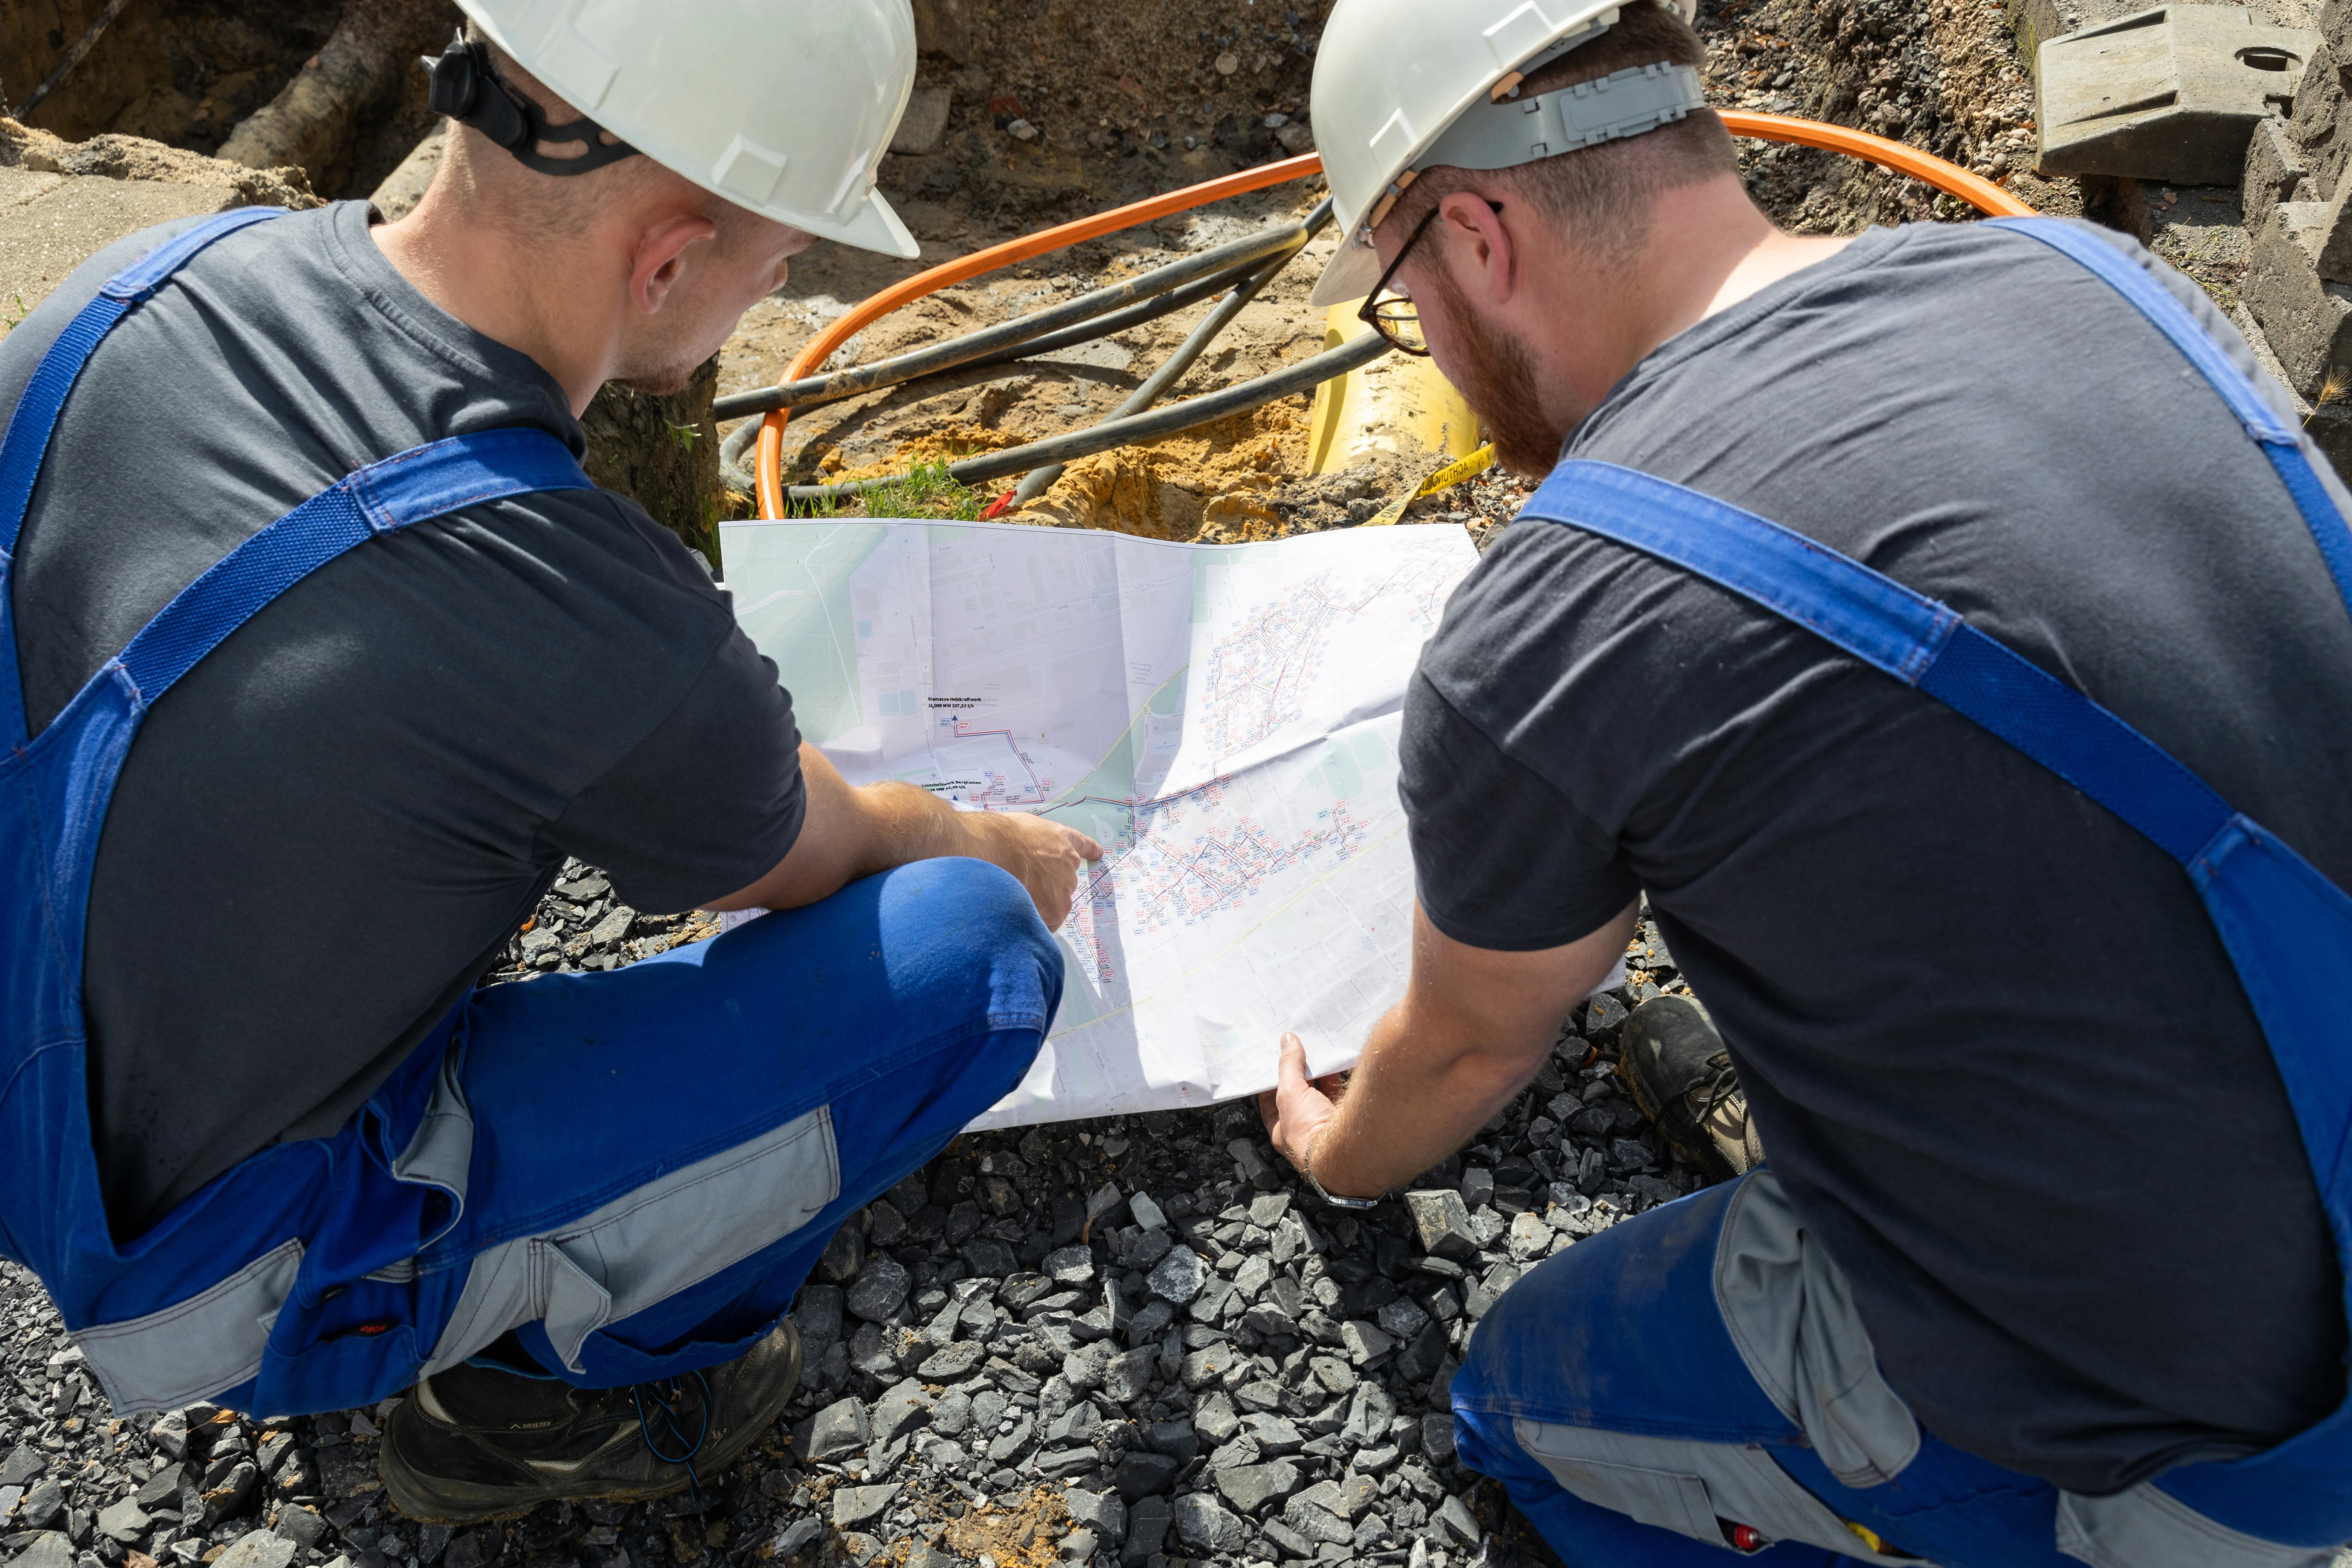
x: 1306, y: 1169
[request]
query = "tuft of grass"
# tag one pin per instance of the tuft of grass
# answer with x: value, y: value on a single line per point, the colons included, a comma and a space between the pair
x: 928, y: 491
x: 16, y: 313
x: 2335, y: 389
x: 685, y: 436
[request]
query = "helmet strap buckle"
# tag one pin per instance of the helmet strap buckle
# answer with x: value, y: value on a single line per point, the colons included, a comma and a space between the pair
x: 466, y: 87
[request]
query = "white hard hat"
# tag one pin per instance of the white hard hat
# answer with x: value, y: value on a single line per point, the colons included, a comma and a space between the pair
x: 1404, y: 85
x: 784, y: 107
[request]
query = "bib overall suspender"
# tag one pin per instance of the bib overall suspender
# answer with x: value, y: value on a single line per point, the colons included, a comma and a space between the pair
x: 2287, y: 928
x: 185, y: 1310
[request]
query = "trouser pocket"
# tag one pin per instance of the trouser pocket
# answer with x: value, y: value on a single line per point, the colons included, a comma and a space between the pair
x: 2148, y: 1527
x: 1703, y: 1490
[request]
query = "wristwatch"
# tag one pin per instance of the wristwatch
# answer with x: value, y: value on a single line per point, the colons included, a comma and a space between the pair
x: 1306, y: 1169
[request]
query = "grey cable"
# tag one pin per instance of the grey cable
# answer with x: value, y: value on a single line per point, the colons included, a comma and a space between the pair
x: 1304, y: 376
x: 1039, y: 480
x: 841, y: 383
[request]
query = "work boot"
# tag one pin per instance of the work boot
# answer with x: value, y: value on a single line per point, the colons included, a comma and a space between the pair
x: 476, y: 1443
x: 1674, y: 1065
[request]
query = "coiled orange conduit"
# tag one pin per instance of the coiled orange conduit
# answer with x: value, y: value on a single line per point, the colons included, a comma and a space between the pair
x: 1949, y: 178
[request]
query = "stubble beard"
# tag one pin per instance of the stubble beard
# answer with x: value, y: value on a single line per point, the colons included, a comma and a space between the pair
x: 1497, y: 377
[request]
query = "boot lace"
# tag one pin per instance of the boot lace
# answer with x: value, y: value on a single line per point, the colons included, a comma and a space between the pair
x: 669, y: 1400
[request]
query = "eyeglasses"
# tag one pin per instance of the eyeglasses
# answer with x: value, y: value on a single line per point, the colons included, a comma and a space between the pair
x: 1391, y: 311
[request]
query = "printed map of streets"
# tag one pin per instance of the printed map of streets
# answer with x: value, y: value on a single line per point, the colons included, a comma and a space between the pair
x: 1223, y: 719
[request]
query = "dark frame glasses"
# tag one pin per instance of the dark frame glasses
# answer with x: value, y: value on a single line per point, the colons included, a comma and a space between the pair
x: 1397, y: 319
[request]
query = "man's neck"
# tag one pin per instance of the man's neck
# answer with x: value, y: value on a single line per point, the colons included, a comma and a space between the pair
x: 536, y: 302
x: 1708, y: 248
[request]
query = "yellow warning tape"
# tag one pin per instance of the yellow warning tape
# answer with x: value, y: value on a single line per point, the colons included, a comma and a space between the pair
x: 1451, y: 474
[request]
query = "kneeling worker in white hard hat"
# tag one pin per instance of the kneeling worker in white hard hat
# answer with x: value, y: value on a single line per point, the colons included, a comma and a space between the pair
x: 1912, y: 619
x: 324, y: 677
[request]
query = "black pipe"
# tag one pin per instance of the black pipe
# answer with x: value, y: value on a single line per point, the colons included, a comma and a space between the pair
x: 739, y: 439
x: 1212, y: 326
x: 1304, y: 376
x: 962, y: 350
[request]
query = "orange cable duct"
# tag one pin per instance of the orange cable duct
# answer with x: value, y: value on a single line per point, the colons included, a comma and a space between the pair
x: 1944, y: 176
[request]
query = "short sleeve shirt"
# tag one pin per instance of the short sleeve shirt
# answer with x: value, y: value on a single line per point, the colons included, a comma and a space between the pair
x: 1997, y: 1054
x: 325, y: 832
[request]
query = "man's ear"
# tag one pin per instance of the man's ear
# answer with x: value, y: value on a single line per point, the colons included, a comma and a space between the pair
x: 1479, y: 245
x: 659, y: 258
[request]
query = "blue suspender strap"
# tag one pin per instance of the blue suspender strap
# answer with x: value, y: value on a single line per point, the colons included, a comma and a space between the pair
x: 35, y: 416
x: 2280, y: 441
x: 35, y: 419
x: 1927, y: 646
x: 1910, y: 636
x: 383, y: 498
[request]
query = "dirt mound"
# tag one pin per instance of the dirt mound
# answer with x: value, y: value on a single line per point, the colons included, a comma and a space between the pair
x: 135, y: 158
x: 1217, y: 484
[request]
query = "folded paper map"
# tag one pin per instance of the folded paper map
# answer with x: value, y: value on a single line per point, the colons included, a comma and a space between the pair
x: 1223, y: 719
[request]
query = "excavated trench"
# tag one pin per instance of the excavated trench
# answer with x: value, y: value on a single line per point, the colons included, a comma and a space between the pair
x: 1033, y: 112
x: 1031, y: 1459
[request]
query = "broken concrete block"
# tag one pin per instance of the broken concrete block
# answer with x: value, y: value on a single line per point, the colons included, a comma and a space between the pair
x: 941, y: 27
x: 2170, y: 94
x: 2329, y: 425
x: 925, y: 124
x: 2321, y: 125
x: 2274, y: 168
x: 2307, y: 321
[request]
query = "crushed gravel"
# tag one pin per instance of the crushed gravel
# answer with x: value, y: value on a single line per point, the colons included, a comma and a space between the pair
x: 1135, y: 1340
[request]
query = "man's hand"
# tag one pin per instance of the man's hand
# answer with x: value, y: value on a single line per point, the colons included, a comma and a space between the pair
x: 1474, y: 1027
x: 1045, y: 856
x: 849, y: 833
x: 1296, y: 1107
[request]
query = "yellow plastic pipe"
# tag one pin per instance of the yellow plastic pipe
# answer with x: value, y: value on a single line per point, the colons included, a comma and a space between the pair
x: 1366, y: 413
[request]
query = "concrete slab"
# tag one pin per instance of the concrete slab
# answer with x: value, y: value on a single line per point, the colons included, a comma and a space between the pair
x: 2308, y: 321
x: 2035, y: 20
x: 925, y: 125
x: 2274, y: 167
x: 55, y: 229
x: 2173, y: 93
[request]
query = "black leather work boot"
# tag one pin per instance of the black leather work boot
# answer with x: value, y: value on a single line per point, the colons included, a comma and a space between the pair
x: 1674, y: 1065
x: 476, y: 1443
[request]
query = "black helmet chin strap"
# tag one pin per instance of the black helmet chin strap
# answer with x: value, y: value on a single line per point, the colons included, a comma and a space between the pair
x: 467, y: 88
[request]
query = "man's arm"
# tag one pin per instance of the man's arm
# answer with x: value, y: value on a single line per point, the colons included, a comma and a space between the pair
x: 849, y: 833
x: 1473, y: 1028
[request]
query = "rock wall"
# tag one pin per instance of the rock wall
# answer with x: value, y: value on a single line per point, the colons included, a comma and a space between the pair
x: 2298, y: 204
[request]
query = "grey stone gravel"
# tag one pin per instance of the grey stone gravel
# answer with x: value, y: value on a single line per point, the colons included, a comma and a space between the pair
x: 1207, y: 1525
x: 1199, y: 1358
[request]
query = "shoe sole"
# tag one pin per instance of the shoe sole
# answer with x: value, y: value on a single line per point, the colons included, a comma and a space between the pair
x: 430, y: 1500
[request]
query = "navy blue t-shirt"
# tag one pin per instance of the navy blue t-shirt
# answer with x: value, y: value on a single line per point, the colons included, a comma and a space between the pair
x: 326, y: 831
x: 1998, y: 1055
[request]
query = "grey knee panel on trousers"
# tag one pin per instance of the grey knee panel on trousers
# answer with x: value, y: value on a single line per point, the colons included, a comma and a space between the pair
x: 193, y: 1350
x: 1675, y: 1483
x: 1791, y: 1315
x: 2148, y: 1528
x: 1790, y: 1312
x: 647, y: 1245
